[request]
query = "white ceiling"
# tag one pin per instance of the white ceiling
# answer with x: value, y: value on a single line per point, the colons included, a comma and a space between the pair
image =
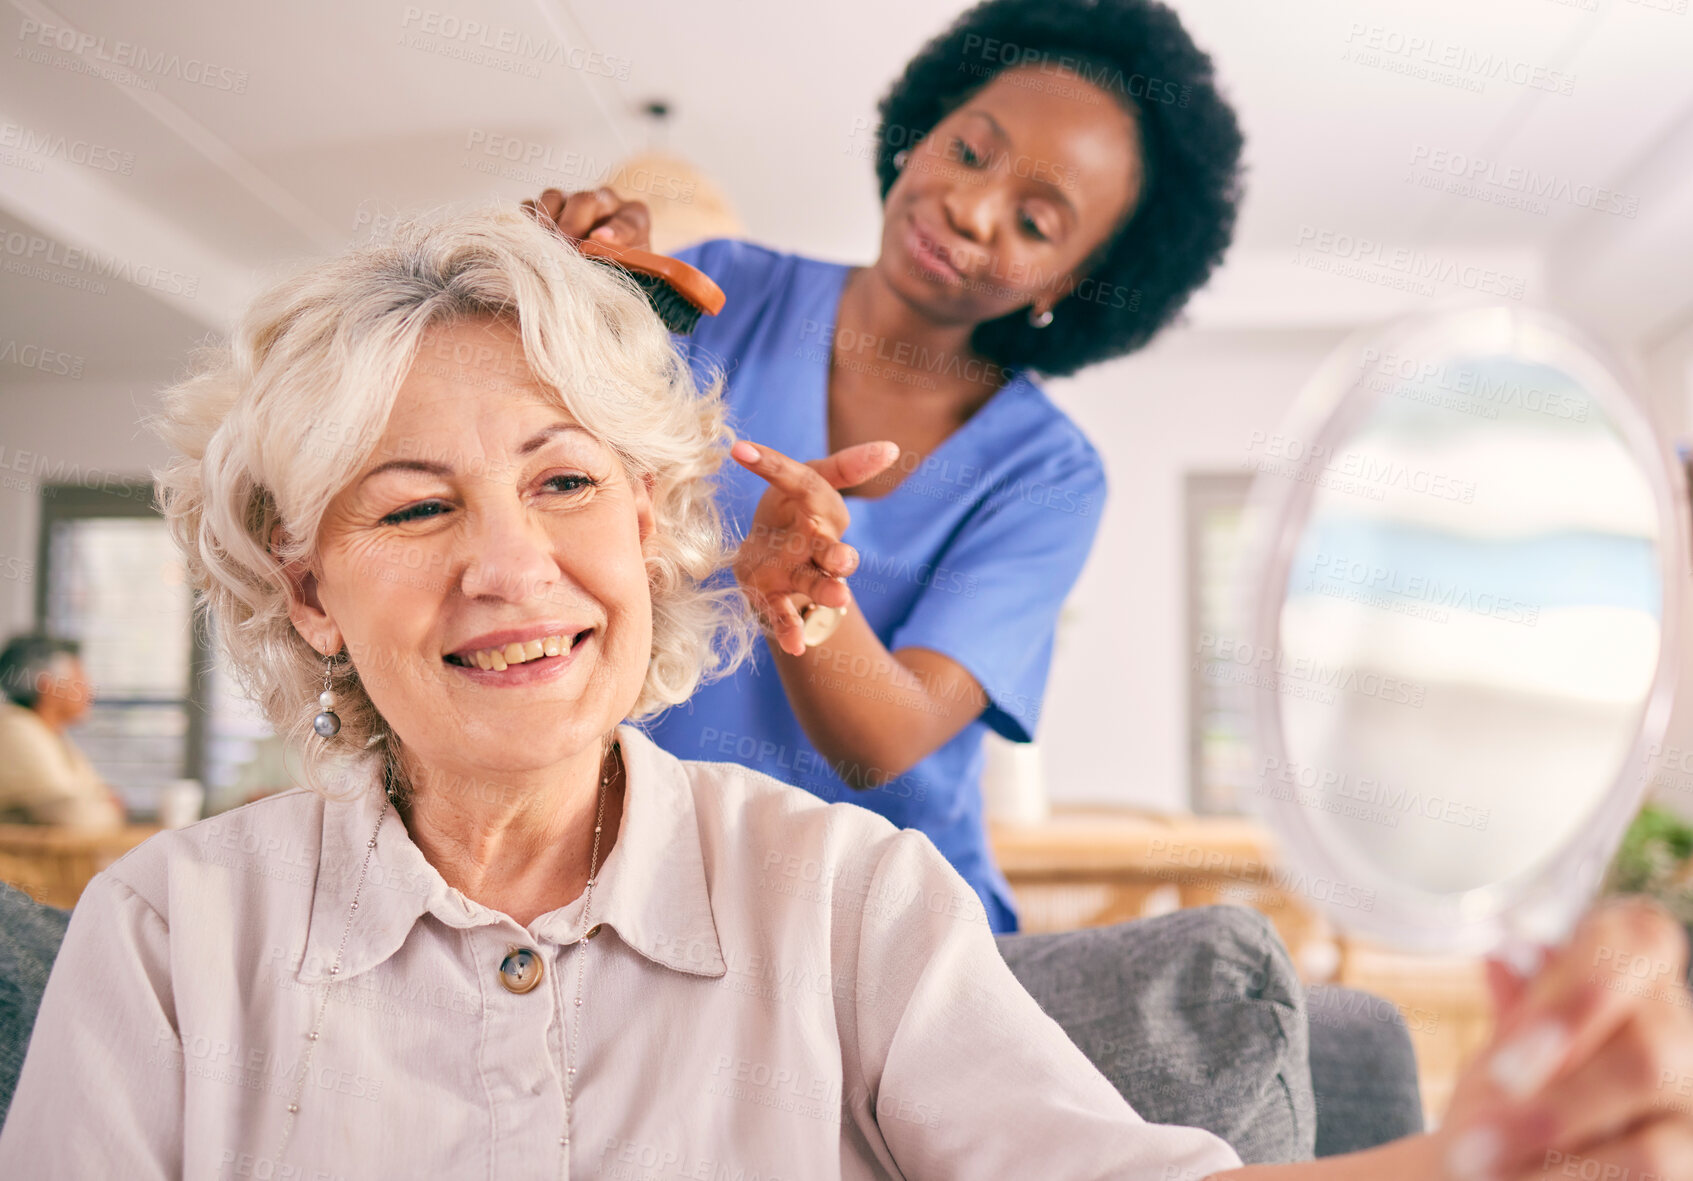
x: 341, y: 116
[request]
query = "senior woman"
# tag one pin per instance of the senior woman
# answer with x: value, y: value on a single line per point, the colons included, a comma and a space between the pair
x: 459, y: 486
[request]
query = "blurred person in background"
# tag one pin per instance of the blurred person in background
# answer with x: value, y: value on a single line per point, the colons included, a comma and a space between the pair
x: 44, y: 778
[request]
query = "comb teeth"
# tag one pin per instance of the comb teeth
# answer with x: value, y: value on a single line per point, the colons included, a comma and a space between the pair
x: 680, y: 316
x: 678, y: 313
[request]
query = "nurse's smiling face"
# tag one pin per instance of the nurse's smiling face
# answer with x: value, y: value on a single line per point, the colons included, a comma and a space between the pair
x: 1006, y: 200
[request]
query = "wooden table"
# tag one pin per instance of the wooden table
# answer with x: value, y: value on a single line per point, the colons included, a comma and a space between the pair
x: 1086, y: 867
x: 53, y: 864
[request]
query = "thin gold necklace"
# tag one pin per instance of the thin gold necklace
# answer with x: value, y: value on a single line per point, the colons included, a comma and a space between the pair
x: 581, y: 966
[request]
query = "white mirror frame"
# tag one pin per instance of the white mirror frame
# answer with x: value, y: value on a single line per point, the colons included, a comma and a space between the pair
x: 1540, y: 905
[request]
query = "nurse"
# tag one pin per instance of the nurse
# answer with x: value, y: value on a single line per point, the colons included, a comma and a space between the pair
x: 1058, y: 176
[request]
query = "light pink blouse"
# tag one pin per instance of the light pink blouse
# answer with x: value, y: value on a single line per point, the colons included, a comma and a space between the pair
x: 782, y: 989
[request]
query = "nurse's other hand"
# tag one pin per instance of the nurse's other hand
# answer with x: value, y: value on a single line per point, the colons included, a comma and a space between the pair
x: 793, y: 552
x: 1590, y: 1070
x: 599, y: 214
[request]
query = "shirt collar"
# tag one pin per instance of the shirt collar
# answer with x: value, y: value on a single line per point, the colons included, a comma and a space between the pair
x: 651, y: 889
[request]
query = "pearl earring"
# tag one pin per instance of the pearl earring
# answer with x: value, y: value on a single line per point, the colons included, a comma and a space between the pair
x: 900, y: 157
x: 327, y: 723
x: 1042, y: 320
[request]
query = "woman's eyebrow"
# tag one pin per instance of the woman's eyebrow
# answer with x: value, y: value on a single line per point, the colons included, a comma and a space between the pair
x: 546, y: 433
x: 430, y: 468
x: 978, y: 113
x: 408, y: 465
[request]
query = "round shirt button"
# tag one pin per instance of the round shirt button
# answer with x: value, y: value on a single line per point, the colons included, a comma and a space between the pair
x: 520, y: 971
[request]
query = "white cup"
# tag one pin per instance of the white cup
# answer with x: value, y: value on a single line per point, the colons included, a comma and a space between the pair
x: 1013, y: 781
x: 180, y: 803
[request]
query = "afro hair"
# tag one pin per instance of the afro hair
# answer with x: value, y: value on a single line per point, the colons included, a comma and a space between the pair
x: 1166, y: 249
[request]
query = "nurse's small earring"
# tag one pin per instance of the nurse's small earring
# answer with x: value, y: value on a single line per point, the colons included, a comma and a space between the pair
x: 1042, y: 320
x: 900, y: 157
x: 328, y: 722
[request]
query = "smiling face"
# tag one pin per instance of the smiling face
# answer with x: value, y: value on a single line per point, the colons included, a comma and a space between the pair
x: 485, y: 567
x: 1005, y: 200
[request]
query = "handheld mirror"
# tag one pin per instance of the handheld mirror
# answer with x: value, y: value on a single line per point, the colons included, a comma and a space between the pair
x: 1465, y: 600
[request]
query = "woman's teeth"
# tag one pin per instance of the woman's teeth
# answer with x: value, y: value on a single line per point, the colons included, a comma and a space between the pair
x: 499, y: 659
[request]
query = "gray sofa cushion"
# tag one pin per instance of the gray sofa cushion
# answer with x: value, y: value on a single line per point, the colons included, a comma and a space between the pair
x: 1363, y: 1070
x: 30, y: 934
x: 1197, y: 1018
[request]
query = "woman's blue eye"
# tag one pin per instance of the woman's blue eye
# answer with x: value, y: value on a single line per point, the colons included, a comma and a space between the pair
x: 425, y: 509
x: 967, y: 154
x: 414, y: 512
x: 577, y: 482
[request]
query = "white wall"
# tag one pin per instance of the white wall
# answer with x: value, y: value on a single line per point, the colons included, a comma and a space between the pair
x: 82, y: 431
x: 1115, y: 724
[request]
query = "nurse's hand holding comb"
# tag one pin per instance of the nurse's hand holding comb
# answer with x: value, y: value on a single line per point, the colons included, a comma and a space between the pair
x: 793, y: 554
x: 596, y: 213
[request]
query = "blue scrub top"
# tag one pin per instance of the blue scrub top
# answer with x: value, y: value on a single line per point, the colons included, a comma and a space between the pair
x: 971, y: 555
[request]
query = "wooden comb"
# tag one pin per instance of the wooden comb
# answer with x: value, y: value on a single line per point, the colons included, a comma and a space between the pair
x: 679, y: 293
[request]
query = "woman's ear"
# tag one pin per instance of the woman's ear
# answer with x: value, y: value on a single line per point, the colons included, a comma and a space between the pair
x: 645, y: 520
x: 305, y: 610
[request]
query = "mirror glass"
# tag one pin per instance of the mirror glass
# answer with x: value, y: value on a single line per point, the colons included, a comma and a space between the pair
x: 1465, y: 601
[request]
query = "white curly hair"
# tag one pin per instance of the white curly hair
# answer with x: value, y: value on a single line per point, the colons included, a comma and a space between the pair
x: 269, y: 428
